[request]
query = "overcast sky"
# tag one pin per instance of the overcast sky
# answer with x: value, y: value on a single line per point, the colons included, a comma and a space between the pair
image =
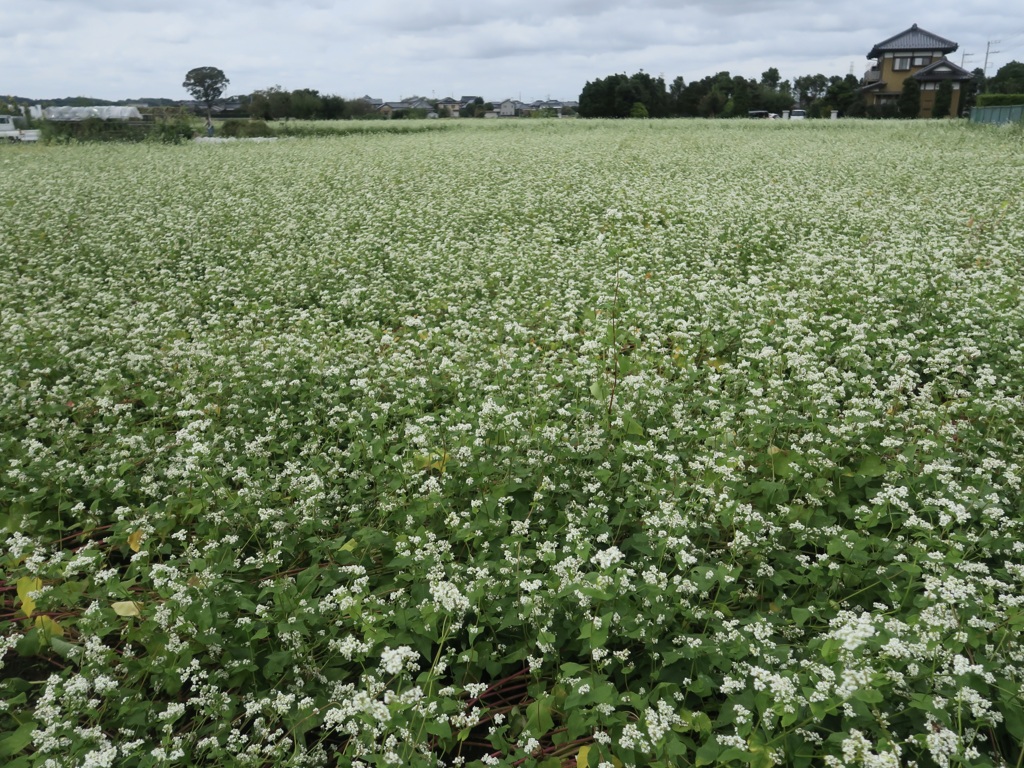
x: 528, y: 49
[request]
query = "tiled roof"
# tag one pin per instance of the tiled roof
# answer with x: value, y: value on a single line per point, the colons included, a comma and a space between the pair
x: 913, y: 39
x: 943, y: 69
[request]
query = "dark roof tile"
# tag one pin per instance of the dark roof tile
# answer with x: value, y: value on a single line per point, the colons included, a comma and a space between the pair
x: 913, y: 39
x: 943, y: 69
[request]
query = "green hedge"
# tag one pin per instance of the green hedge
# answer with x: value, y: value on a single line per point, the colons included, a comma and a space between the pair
x: 246, y: 129
x: 94, y: 129
x: 1000, y: 99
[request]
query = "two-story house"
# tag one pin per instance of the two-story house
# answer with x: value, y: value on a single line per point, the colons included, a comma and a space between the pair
x: 915, y: 53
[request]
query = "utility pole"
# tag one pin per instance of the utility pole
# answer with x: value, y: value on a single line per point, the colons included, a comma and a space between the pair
x: 989, y: 52
x: 964, y: 57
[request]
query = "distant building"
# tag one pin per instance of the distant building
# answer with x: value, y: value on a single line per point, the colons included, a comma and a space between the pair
x: 510, y: 108
x: 450, y: 104
x: 915, y: 53
x: 550, y: 107
x: 391, y: 108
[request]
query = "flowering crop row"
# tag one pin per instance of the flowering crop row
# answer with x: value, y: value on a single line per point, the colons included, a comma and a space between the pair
x: 536, y: 444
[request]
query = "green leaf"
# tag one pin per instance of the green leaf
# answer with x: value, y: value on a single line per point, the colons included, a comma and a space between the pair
x: 800, y: 616
x: 30, y: 643
x: 633, y: 427
x: 538, y: 717
x: 62, y: 647
x: 708, y: 753
x: 781, y: 465
x: 869, y: 695
x: 871, y: 466
x: 17, y: 741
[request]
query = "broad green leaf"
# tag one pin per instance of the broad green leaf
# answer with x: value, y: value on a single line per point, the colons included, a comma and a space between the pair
x: 708, y: 753
x: 871, y: 466
x: 800, y: 616
x: 633, y: 427
x: 571, y: 668
x: 26, y: 586
x: 17, y: 741
x: 538, y: 717
x: 63, y: 648
x: 781, y: 464
x: 49, y: 627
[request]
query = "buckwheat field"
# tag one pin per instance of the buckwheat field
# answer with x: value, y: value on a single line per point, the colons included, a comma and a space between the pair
x: 538, y: 443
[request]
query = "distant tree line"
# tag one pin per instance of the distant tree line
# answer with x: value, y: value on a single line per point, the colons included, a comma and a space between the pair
x: 276, y: 103
x: 725, y: 95
x: 719, y: 95
x: 1009, y: 79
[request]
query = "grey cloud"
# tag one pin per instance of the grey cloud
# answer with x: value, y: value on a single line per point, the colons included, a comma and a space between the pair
x: 392, y: 47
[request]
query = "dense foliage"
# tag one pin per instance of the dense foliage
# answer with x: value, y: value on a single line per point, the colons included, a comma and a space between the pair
x: 719, y: 95
x: 1000, y: 99
x: 276, y: 103
x: 1009, y: 78
x: 650, y: 444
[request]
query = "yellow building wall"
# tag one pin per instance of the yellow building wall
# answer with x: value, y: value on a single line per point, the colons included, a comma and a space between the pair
x: 894, y: 79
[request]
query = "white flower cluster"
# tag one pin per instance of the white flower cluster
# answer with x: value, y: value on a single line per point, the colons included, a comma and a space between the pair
x: 295, y: 436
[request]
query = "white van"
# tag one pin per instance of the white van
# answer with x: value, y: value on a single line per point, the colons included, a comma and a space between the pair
x: 798, y: 114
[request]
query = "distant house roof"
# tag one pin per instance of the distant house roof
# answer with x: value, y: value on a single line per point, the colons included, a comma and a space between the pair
x: 547, y: 104
x: 943, y: 69
x: 913, y: 39
x: 877, y: 85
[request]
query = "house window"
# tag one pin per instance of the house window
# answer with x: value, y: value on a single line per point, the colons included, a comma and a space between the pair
x: 901, y: 64
x: 921, y: 61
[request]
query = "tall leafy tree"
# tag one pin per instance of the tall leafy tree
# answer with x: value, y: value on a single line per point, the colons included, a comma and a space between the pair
x: 810, y: 88
x: 842, y: 95
x: 910, y: 99
x: 771, y: 78
x: 676, y: 93
x: 969, y: 90
x: 943, y: 99
x: 206, y: 84
x: 712, y: 103
x: 616, y: 96
x: 334, y: 107
x: 306, y: 104
x: 742, y: 97
x: 1008, y: 79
